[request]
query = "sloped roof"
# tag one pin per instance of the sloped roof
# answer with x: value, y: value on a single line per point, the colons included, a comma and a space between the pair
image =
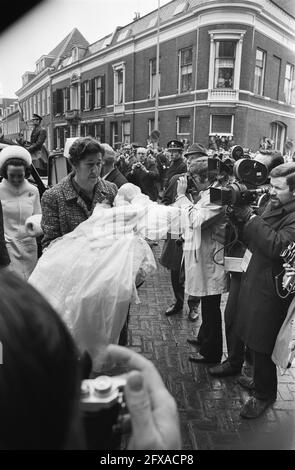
x: 63, y: 49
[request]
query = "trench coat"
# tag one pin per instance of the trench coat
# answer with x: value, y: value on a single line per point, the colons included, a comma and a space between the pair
x: 204, y: 230
x: 261, y: 312
x: 18, y: 204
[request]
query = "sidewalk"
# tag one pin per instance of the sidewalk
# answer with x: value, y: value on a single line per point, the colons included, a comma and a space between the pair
x: 208, y: 407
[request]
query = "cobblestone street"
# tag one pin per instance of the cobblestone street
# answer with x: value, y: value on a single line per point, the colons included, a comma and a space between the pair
x: 208, y: 407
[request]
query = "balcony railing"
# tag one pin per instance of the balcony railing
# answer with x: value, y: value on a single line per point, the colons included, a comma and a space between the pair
x: 221, y: 94
x: 73, y: 115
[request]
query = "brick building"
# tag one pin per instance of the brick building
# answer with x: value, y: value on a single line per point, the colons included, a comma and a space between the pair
x: 35, y: 94
x: 226, y: 69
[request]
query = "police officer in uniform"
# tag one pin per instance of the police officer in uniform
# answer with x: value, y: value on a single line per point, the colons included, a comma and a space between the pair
x: 178, y: 165
x: 37, y: 148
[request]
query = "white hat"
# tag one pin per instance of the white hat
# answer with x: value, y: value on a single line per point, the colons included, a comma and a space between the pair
x: 15, y: 151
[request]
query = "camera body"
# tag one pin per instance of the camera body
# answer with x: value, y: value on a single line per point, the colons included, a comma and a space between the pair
x: 104, y: 412
x: 250, y: 185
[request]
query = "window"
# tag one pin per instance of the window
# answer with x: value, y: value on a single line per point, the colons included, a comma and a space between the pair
x: 124, y: 34
x: 153, y: 22
x: 276, y: 73
x: 183, y: 125
x: 48, y: 100
x: 114, y: 133
x: 126, y: 134
x: 278, y: 135
x: 39, y: 111
x: 35, y: 103
x: 99, y: 92
x: 180, y: 8
x: 74, y: 98
x: 119, y: 84
x: 289, y: 84
x: 185, y: 70
x: 66, y: 97
x: 86, y: 94
x: 44, y: 111
x: 221, y: 124
x: 100, y: 132
x: 153, y: 77
x: 224, y: 64
x: 259, y: 72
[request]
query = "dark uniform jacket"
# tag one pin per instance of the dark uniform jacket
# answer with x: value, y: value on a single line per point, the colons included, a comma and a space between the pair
x: 63, y: 209
x: 38, y: 137
x: 146, y: 181
x: 4, y: 256
x: 261, y: 311
x: 172, y: 252
x: 115, y: 176
x: 175, y: 168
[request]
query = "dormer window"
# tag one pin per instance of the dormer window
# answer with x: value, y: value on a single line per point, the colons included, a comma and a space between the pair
x: 180, y: 8
x: 124, y: 35
x: 75, y: 54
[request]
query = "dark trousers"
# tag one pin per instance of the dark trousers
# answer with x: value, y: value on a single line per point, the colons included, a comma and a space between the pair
x: 177, y: 281
x: 235, y: 346
x: 210, y: 333
x: 265, y: 376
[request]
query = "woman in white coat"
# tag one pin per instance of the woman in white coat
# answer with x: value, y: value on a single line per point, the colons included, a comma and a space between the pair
x: 20, y: 200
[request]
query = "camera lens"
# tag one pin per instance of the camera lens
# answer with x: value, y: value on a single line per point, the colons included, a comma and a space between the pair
x: 103, y: 385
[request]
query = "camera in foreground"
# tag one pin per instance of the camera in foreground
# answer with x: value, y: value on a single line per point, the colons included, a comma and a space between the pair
x: 104, y: 412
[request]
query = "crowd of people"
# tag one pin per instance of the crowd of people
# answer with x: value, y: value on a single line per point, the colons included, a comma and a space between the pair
x: 46, y: 352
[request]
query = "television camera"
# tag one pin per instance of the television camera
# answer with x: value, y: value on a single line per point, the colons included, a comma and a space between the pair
x: 250, y: 186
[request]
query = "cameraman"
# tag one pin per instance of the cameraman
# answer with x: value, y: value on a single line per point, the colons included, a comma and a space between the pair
x: 205, y: 277
x: 39, y: 352
x: 144, y: 173
x: 261, y: 311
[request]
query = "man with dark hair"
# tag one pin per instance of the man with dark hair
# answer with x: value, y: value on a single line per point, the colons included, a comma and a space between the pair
x: 178, y: 164
x: 261, y: 309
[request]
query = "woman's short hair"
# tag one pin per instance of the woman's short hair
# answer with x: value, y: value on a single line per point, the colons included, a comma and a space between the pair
x: 15, y: 162
x: 39, y: 377
x: 82, y: 147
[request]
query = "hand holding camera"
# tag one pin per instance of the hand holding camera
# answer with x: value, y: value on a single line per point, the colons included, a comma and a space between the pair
x: 242, y: 213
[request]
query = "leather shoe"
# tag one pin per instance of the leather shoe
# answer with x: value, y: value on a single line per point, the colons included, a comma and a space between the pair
x: 193, y: 314
x: 255, y: 407
x: 224, y: 370
x: 173, y: 309
x: 201, y: 359
x: 246, y: 382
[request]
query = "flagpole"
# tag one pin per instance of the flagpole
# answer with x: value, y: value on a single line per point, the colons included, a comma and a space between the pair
x: 157, y: 72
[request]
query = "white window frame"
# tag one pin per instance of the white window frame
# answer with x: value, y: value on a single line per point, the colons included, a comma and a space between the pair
x: 87, y: 95
x: 181, y: 51
x: 120, y: 67
x: 226, y: 35
x: 153, y: 79
x: 283, y: 128
x: 43, y: 98
x: 178, y: 125
x: 226, y: 134
x: 48, y: 97
x: 128, y: 141
x: 260, y: 91
x: 289, y: 85
x: 97, y: 92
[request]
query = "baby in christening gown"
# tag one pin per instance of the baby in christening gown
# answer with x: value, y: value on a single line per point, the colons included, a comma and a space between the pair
x: 89, y: 275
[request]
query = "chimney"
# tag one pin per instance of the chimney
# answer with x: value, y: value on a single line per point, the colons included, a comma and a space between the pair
x: 136, y: 15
